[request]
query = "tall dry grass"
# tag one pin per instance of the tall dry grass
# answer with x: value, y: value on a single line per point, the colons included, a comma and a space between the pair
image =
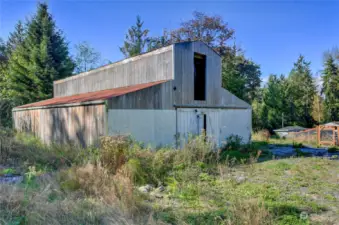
x: 100, y: 186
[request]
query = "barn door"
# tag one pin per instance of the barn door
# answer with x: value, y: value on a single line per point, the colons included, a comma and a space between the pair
x: 213, y: 129
x: 191, y: 122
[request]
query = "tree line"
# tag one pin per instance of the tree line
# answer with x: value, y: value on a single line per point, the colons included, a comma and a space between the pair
x: 37, y: 53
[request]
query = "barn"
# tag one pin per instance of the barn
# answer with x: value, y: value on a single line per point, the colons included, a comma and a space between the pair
x: 158, y: 97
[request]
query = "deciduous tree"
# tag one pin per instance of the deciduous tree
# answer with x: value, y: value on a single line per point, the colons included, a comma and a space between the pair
x: 86, y: 58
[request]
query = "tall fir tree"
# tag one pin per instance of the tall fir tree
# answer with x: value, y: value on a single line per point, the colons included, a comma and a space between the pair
x: 274, y: 102
x: 136, y: 40
x: 3, y: 65
x: 331, y: 89
x: 15, y: 38
x: 42, y: 58
x: 301, y: 90
x: 2, y: 48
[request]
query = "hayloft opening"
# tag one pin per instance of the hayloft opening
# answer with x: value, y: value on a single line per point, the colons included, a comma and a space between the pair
x: 199, y: 77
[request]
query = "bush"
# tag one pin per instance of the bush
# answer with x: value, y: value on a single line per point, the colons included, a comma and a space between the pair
x: 333, y: 149
x: 233, y: 142
x: 262, y: 135
x: 114, y: 152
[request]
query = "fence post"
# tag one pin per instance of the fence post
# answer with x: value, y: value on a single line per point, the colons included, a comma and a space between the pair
x: 333, y: 136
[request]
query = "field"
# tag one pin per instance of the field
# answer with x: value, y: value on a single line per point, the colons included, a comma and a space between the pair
x: 126, y: 183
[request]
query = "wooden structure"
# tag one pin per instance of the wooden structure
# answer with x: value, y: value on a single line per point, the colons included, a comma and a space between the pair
x: 156, y: 97
x: 328, y: 134
x: 325, y: 134
x: 287, y: 131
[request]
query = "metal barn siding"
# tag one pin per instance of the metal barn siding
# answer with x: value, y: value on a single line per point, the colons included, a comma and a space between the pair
x: 149, y: 67
x: 155, y: 127
x: 235, y: 122
x: 81, y: 125
x: 220, y: 123
x: 191, y: 122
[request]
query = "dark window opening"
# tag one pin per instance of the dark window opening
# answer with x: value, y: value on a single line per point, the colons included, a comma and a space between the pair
x: 199, y: 77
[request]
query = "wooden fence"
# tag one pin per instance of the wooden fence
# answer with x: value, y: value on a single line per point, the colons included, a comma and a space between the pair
x: 321, y: 135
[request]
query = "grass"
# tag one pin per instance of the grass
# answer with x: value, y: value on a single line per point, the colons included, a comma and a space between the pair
x: 70, y: 185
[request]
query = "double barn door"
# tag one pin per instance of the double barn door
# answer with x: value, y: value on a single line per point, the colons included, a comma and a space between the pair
x: 194, y: 121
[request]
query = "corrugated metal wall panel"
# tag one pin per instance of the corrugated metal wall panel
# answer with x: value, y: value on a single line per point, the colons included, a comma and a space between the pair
x: 155, y: 127
x: 221, y: 123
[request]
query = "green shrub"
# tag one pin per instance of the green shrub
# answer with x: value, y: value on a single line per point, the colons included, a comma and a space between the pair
x: 233, y: 142
x: 297, y: 145
x: 333, y: 149
x: 300, y: 153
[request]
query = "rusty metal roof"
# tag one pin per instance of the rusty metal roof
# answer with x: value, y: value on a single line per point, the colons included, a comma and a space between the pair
x: 92, y: 96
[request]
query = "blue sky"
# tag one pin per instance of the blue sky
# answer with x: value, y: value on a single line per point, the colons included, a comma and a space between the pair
x: 272, y: 33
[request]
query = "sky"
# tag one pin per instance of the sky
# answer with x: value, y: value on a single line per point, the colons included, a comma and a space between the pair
x: 272, y: 33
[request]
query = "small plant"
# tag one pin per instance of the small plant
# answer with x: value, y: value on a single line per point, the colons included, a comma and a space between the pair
x: 333, y: 149
x: 233, y: 142
x: 297, y: 145
x: 300, y: 153
x: 7, y: 171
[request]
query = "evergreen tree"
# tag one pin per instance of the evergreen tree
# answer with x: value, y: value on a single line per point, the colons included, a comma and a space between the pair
x: 2, y: 49
x: 136, y: 40
x: 42, y: 58
x: 331, y: 89
x: 15, y: 38
x: 300, y: 92
x: 274, y: 102
x: 3, y: 66
x: 258, y: 121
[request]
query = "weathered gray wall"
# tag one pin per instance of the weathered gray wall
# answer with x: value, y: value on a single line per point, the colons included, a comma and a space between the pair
x: 149, y: 67
x: 81, y: 125
x: 221, y: 123
x: 157, y: 97
x: 184, y: 77
x: 154, y: 127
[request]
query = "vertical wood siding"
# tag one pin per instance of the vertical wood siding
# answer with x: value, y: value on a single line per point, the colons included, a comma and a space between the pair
x: 184, y: 73
x: 81, y: 125
x: 157, y: 97
x: 184, y: 77
x: 153, y: 66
